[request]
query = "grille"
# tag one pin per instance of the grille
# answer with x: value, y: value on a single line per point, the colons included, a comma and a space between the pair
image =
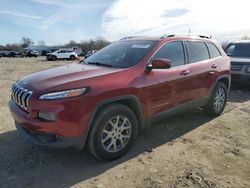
x: 21, y: 96
x: 236, y: 67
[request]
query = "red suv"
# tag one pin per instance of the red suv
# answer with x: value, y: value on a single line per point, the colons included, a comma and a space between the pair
x: 103, y: 101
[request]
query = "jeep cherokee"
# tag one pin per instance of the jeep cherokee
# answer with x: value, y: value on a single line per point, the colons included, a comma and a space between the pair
x: 103, y: 101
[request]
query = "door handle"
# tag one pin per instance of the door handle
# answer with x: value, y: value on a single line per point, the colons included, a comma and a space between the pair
x: 214, y: 66
x: 184, y: 73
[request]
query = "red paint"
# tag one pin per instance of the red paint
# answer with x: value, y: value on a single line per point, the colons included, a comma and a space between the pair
x: 157, y: 90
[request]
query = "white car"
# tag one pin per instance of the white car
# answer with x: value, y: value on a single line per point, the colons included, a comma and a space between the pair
x: 62, y: 54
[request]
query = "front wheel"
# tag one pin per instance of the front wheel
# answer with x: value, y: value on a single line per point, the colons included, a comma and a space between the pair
x: 217, y: 101
x: 53, y: 58
x: 114, y: 132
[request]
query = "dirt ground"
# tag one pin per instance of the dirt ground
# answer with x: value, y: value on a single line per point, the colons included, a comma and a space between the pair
x: 187, y: 150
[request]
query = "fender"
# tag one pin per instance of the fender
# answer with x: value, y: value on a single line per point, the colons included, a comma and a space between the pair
x: 119, y: 99
x: 217, y: 80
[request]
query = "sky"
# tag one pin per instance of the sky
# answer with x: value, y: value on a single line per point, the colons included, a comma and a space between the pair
x: 59, y: 21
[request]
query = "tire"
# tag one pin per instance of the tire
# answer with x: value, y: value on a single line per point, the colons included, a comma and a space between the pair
x: 108, y: 139
x: 53, y: 58
x: 218, y: 100
x: 72, y: 57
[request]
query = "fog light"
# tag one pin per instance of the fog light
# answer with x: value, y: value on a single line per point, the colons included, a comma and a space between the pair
x: 50, y: 116
x: 248, y: 69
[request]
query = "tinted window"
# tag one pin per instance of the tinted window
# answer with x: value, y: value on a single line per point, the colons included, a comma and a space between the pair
x: 197, y: 51
x: 122, y: 53
x: 172, y: 51
x: 238, y: 50
x: 68, y: 51
x: 213, y: 50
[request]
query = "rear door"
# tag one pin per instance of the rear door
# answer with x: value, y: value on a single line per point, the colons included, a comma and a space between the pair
x: 168, y: 88
x: 204, y: 65
x: 67, y: 53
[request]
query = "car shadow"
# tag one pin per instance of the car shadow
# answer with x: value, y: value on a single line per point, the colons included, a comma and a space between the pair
x: 239, y: 93
x: 26, y: 165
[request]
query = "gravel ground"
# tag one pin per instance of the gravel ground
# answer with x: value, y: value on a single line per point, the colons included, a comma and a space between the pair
x: 188, y: 150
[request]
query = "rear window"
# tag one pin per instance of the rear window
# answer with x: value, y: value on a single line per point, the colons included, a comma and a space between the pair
x: 238, y: 50
x: 197, y: 51
x: 213, y: 50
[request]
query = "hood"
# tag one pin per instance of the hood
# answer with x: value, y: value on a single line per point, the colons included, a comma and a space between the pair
x: 71, y: 73
x: 240, y: 60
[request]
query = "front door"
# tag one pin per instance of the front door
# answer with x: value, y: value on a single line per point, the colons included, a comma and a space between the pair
x: 168, y: 88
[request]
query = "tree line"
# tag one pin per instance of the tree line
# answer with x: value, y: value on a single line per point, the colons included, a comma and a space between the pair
x: 85, y: 45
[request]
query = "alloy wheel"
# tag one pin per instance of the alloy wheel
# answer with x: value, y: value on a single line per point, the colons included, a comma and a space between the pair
x: 116, y: 133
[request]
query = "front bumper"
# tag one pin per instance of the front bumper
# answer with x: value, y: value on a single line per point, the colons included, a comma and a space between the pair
x: 62, y: 133
x: 241, y: 78
x: 50, y: 140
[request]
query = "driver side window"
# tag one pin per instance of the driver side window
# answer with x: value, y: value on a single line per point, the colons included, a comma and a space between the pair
x: 173, y: 51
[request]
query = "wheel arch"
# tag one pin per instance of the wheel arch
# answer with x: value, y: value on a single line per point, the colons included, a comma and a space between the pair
x: 225, y: 79
x: 130, y: 101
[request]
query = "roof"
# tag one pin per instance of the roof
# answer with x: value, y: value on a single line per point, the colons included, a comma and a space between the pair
x: 166, y: 37
x: 131, y: 38
x: 241, y: 41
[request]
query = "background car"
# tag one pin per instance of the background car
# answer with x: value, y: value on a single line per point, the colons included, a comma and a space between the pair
x: 62, y: 54
x: 239, y: 52
x: 89, y: 53
x: 13, y: 54
x: 32, y: 53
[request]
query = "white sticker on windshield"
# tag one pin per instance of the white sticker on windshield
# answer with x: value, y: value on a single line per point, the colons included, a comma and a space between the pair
x: 140, y: 46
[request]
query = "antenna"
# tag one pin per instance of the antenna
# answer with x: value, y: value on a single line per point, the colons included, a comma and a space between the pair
x: 189, y: 31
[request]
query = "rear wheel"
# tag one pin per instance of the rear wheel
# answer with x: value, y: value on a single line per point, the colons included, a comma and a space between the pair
x: 72, y: 57
x: 217, y: 101
x: 113, y: 133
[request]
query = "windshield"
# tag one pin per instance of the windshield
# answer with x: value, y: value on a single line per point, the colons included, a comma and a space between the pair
x: 238, y: 50
x: 122, y: 54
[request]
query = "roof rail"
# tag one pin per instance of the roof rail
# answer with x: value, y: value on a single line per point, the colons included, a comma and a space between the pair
x: 129, y: 37
x: 185, y: 35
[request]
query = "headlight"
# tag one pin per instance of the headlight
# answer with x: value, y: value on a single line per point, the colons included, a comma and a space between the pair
x: 63, y: 94
x: 248, y: 69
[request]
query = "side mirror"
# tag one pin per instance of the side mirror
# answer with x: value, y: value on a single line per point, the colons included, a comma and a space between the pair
x: 159, y: 63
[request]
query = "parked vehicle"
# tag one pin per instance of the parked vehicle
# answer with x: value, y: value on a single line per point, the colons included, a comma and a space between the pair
x: 103, y: 101
x: 62, y: 54
x: 89, y: 53
x: 31, y: 53
x: 239, y: 52
x: 13, y: 54
x: 2, y: 53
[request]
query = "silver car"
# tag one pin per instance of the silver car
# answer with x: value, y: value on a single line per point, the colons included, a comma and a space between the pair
x: 239, y: 52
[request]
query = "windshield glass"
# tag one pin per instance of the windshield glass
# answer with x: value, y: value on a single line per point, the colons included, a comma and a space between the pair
x: 122, y: 54
x: 238, y: 50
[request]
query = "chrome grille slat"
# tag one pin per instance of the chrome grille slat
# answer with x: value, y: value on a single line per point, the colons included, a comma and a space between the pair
x: 14, y: 92
x: 236, y: 67
x: 25, y: 92
x: 21, y: 96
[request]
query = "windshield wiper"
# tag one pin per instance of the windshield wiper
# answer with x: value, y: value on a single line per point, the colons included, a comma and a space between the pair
x: 99, y: 64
